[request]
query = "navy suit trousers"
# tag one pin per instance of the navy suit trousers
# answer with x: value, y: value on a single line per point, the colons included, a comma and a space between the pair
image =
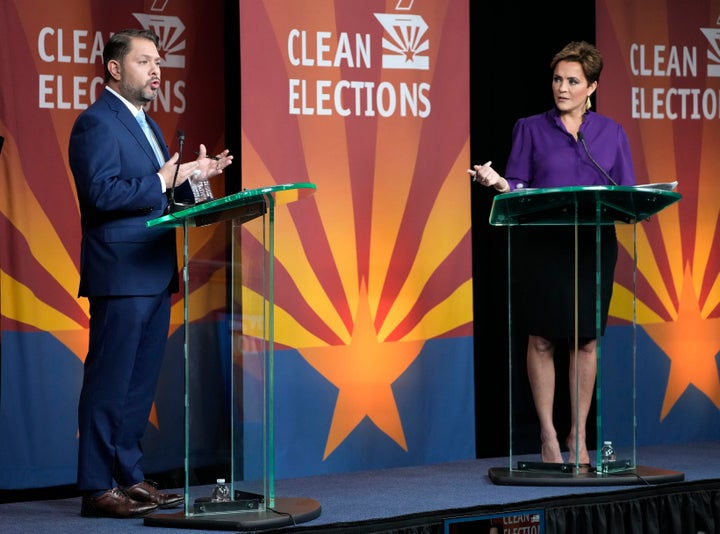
x: 127, y: 344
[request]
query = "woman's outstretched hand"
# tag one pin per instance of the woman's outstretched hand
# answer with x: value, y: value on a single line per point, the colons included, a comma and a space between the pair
x: 487, y: 176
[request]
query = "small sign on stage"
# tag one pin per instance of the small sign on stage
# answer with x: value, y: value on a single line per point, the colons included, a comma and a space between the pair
x: 519, y: 522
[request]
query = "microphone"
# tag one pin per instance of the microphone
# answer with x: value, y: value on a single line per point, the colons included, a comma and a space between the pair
x: 172, y: 205
x: 581, y: 137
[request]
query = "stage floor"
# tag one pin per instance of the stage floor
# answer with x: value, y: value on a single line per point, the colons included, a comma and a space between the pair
x: 379, y: 501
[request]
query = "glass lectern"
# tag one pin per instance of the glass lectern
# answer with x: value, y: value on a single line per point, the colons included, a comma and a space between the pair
x: 228, y: 306
x: 579, y: 209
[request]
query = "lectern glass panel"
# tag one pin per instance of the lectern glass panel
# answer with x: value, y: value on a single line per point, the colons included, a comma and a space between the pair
x: 228, y: 301
x: 581, y: 220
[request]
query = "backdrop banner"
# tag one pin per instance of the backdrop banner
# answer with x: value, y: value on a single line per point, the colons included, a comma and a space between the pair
x: 50, y: 70
x: 661, y: 80
x: 369, y: 101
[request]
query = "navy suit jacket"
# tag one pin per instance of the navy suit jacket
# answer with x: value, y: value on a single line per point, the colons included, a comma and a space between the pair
x: 119, y: 191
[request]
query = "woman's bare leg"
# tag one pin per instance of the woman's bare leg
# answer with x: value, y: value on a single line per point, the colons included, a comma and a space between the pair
x: 541, y: 373
x: 583, y: 371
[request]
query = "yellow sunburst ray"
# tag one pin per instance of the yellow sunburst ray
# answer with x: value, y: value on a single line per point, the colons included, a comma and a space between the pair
x: 198, y: 239
x: 21, y: 207
x: 713, y: 298
x: 440, y: 237
x: 671, y: 232
x: 288, y: 245
x: 393, y: 179
x: 291, y: 254
x: 289, y: 251
x: 621, y: 306
x: 21, y: 304
x: 454, y: 311
x: 288, y: 331
x: 207, y: 297
x: 708, y: 214
x: 328, y: 167
x: 647, y: 264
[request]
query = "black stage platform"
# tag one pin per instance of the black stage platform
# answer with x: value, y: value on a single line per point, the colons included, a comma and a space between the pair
x: 453, y: 498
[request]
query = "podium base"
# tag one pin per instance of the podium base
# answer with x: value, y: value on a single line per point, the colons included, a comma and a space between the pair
x: 641, y: 475
x: 287, y: 511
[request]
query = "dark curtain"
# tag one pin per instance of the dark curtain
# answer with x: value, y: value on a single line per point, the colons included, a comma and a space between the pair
x: 682, y: 508
x: 510, y: 55
x: 661, y: 510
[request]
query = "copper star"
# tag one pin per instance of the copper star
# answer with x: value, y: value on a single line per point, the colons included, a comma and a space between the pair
x: 691, y: 342
x: 363, y: 372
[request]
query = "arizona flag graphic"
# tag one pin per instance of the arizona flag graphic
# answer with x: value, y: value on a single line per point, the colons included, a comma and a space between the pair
x: 661, y: 81
x: 369, y: 101
x: 51, y: 70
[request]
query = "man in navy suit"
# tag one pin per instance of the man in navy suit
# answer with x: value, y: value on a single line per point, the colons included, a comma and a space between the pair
x: 127, y: 271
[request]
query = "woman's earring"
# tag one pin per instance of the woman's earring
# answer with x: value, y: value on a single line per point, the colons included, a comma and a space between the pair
x: 588, y: 103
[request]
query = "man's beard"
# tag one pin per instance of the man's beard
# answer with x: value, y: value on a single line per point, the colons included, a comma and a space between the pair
x: 138, y: 95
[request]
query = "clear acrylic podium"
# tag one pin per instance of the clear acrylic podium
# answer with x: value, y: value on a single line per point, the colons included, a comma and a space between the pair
x: 228, y: 307
x: 615, y: 404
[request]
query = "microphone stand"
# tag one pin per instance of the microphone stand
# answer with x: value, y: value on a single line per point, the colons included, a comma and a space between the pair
x: 172, y: 205
x: 581, y: 137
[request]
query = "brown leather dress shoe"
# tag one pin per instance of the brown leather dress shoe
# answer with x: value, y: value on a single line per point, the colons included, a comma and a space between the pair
x: 146, y: 491
x: 114, y: 503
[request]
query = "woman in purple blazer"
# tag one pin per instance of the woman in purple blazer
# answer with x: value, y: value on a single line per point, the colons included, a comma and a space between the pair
x: 568, y: 145
x: 127, y: 271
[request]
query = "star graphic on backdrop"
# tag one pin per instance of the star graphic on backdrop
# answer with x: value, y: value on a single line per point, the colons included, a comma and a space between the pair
x: 363, y: 372
x: 691, y: 343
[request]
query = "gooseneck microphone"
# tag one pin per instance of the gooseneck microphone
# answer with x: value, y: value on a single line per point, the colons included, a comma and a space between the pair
x: 581, y: 138
x: 172, y: 205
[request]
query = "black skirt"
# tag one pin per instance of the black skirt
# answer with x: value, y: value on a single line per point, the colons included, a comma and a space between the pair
x: 543, y: 290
